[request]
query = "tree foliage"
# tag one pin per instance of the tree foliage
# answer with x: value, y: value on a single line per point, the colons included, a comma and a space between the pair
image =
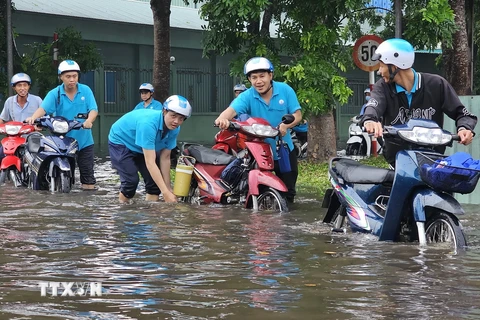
x: 38, y: 61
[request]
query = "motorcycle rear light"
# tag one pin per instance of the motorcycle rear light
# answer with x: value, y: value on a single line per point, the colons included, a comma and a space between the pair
x: 12, y: 130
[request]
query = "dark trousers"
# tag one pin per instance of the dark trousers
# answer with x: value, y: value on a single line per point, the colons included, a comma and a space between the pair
x: 128, y: 164
x: 289, y: 178
x: 85, y: 162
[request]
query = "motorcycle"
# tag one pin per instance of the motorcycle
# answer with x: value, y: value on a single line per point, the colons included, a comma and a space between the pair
x: 409, y: 203
x: 13, y: 144
x: 359, y: 143
x: 247, y: 178
x: 299, y: 145
x: 50, y: 159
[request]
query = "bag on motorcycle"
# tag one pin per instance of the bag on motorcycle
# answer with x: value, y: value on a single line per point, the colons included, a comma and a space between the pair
x: 456, y: 173
x: 283, y: 153
x: 233, y: 172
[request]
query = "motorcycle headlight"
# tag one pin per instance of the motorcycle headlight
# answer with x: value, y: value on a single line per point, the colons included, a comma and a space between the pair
x: 60, y: 126
x: 426, y: 136
x: 261, y: 130
x: 12, y: 130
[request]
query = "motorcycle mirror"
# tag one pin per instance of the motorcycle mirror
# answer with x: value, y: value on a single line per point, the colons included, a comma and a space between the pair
x: 288, y: 118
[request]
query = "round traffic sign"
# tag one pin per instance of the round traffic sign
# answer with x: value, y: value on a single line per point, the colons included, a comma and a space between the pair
x: 363, y: 51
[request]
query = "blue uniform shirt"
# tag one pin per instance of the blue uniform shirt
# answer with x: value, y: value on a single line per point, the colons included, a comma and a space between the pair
x: 58, y: 103
x: 154, y: 104
x: 142, y: 129
x: 13, y: 112
x: 284, y: 101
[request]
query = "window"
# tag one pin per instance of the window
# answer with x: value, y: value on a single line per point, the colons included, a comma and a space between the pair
x: 110, y: 87
x: 88, y: 78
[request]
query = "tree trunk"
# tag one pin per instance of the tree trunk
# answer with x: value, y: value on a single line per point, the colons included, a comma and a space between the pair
x: 457, y: 60
x: 161, y: 48
x: 322, y: 140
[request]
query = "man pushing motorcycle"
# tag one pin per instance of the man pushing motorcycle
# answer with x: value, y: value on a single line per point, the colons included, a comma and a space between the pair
x: 404, y: 93
x: 269, y: 100
x: 134, y: 141
x: 68, y: 100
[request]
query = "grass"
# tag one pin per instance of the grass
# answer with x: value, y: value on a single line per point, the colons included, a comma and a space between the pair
x: 313, y: 177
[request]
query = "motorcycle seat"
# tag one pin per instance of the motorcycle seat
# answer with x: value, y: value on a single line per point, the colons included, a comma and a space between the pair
x: 33, y: 142
x: 209, y: 156
x: 354, y: 172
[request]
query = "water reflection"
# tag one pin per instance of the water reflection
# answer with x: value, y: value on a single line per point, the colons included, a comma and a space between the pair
x: 159, y: 261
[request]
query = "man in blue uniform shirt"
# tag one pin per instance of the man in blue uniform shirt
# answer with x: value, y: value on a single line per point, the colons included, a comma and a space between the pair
x: 135, y: 139
x: 68, y: 100
x: 148, y: 102
x: 269, y: 100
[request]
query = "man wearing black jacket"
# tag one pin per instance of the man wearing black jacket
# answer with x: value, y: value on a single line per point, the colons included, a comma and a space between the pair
x: 403, y: 93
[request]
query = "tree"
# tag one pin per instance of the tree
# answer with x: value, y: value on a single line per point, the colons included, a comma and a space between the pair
x: 38, y: 60
x: 314, y: 36
x: 161, y: 48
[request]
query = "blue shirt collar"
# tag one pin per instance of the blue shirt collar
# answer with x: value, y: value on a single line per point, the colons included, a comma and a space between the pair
x: 415, y: 84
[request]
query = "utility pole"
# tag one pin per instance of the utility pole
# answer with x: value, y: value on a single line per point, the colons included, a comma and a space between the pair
x: 9, y: 46
x: 398, y: 18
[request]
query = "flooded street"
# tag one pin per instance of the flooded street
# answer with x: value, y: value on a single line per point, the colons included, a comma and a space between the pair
x: 160, y: 261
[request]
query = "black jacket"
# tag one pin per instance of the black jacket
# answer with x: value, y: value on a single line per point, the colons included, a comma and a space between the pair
x: 433, y: 97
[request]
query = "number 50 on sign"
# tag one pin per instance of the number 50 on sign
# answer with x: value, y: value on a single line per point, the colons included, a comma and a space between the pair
x: 363, y: 51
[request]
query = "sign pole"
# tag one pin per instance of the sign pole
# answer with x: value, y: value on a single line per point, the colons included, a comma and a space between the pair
x: 363, y: 52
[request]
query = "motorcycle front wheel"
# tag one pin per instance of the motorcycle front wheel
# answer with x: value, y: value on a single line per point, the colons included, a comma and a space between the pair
x: 271, y: 200
x: 62, y: 182
x: 443, y: 228
x: 356, y: 149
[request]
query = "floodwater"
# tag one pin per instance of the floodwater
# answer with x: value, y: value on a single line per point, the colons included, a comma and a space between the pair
x: 160, y: 261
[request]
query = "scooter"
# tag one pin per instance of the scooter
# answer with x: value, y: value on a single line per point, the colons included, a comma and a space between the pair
x: 50, y: 159
x: 247, y: 178
x: 409, y: 203
x: 299, y: 145
x: 13, y: 146
x: 359, y: 143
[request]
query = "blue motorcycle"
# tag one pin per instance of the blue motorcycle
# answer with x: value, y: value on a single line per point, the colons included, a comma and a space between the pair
x: 49, y: 160
x: 411, y: 203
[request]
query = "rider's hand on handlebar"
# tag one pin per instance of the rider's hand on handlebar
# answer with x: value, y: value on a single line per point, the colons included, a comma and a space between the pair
x: 87, y: 124
x: 374, y: 127
x: 466, y: 136
x: 30, y: 120
x: 169, y: 196
x: 283, y: 129
x: 222, y: 123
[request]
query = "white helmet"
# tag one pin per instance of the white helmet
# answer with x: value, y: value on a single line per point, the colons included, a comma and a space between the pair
x: 20, y: 77
x: 366, y: 91
x: 146, y: 86
x: 257, y: 64
x: 68, y: 65
x: 398, y: 52
x: 178, y: 104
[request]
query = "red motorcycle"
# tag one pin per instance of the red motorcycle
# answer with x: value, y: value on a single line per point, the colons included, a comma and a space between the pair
x: 246, y: 178
x: 13, y: 147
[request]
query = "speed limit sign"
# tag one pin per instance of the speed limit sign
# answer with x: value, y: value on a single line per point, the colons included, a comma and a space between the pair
x: 363, y: 51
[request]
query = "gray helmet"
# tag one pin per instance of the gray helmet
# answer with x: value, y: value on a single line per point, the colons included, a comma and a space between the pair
x: 239, y: 87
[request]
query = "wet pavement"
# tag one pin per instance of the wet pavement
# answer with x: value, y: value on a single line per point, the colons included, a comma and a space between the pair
x: 174, y: 261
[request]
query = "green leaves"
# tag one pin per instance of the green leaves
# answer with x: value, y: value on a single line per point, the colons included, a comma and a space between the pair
x: 38, y: 61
